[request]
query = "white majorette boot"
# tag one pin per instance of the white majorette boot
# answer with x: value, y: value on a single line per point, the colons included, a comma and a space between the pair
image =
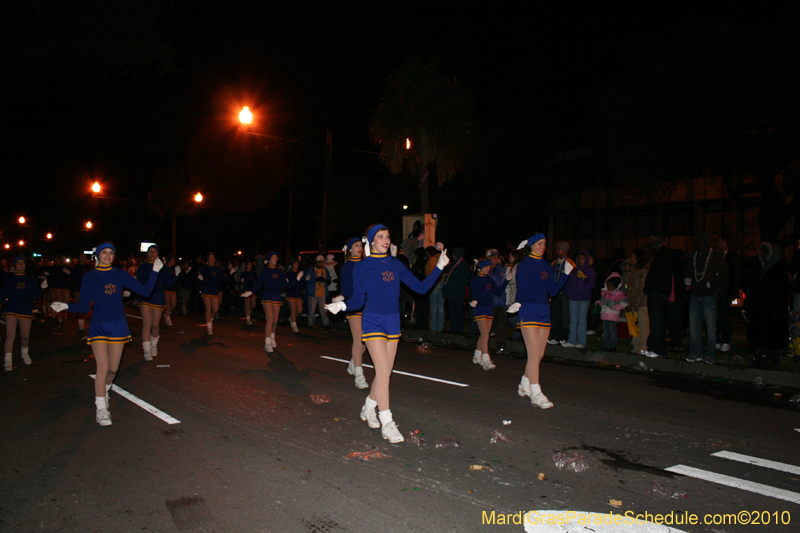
x: 9, y: 366
x: 268, y: 345
x: 538, y: 399
x: 25, y: 357
x: 210, y: 328
x: 102, y: 416
x: 476, y: 357
x: 272, y: 340
x: 154, y: 346
x: 524, y: 388
x: 249, y: 322
x: 148, y: 353
x: 351, y: 368
x: 389, y: 429
x: 486, y: 362
x: 294, y: 327
x: 369, y: 415
x: 361, y: 381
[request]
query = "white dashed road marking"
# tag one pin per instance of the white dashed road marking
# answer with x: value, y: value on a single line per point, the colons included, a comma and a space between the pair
x: 783, y: 467
x: 143, y: 404
x: 404, y: 373
x: 729, y: 481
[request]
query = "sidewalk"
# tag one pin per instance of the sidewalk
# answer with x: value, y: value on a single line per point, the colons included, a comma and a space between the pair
x: 675, y: 364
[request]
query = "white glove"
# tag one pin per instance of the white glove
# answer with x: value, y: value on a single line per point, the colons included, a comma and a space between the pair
x: 393, y: 250
x: 513, y: 308
x: 189, y: 269
x: 335, y: 307
x: 59, y: 306
x: 44, y: 284
x: 233, y: 269
x: 687, y: 281
x: 247, y: 294
x: 473, y: 303
x: 158, y: 265
x: 126, y: 294
x: 65, y: 270
x: 568, y: 267
x: 443, y: 260
x: 299, y: 275
x: 523, y: 244
x: 339, y: 298
x: 200, y: 277
x: 509, y: 275
x: 177, y: 270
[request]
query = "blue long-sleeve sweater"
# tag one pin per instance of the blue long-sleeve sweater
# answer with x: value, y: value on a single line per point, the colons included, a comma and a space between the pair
x: 213, y: 278
x: 101, y: 290
x: 376, y: 284
x: 166, y: 280
x: 269, y: 282
x: 484, y: 287
x: 346, y: 276
x: 535, y: 281
x: 18, y: 291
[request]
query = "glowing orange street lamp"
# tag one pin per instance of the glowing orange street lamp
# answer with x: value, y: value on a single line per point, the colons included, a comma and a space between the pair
x: 49, y: 235
x: 21, y: 243
x: 96, y: 187
x: 88, y: 225
x: 198, y: 198
x: 21, y: 220
x: 7, y: 246
x: 245, y: 116
x: 408, y: 143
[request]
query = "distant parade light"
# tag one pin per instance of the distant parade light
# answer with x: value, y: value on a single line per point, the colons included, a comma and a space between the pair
x: 245, y: 116
x: 7, y: 246
x: 21, y: 243
x: 405, y: 206
x: 21, y: 220
x: 198, y: 198
x: 95, y: 187
x: 239, y: 252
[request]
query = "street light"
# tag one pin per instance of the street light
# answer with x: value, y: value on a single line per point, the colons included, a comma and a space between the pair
x: 21, y: 220
x: 198, y: 198
x: 21, y: 243
x: 96, y: 187
x: 49, y: 236
x: 7, y: 246
x: 245, y: 116
x: 88, y: 225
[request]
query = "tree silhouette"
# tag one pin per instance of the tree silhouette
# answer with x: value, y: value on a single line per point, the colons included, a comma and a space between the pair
x: 434, y: 111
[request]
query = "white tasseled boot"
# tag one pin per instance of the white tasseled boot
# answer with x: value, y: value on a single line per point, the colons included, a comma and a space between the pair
x: 148, y: 353
x: 9, y: 366
x: 389, y: 429
x: 524, y: 388
x: 476, y: 357
x: 154, y: 346
x: 25, y: 357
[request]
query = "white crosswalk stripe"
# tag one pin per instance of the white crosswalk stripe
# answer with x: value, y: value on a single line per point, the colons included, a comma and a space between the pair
x: 743, y: 484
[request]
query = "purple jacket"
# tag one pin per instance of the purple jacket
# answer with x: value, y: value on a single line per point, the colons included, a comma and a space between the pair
x: 581, y: 280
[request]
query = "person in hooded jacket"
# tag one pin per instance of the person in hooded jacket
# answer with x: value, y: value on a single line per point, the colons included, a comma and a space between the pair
x: 767, y: 300
x: 579, y: 292
x: 705, y: 273
x: 454, y: 290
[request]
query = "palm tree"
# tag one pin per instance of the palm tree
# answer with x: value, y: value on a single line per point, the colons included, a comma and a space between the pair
x: 424, y: 123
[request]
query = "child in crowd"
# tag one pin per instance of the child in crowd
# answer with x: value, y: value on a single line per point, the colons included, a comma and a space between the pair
x: 611, y: 303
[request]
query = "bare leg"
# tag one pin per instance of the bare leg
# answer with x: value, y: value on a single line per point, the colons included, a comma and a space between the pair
x: 358, y: 348
x: 107, y: 356
x: 172, y: 301
x: 11, y: 332
x: 269, y: 313
x: 485, y: 327
x: 383, y: 354
x: 155, y: 325
x: 147, y: 322
x: 24, y: 333
x: 535, y: 343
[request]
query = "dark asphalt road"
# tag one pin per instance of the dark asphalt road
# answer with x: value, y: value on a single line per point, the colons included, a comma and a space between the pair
x: 252, y: 452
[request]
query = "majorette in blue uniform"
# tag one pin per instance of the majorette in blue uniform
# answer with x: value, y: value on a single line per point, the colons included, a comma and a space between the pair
x: 535, y: 286
x: 101, y: 290
x: 295, y: 292
x: 346, y: 275
x: 376, y: 290
x: 269, y: 282
x: 171, y: 279
x: 213, y: 277
x: 482, y: 288
x: 248, y: 279
x: 18, y: 291
x: 166, y: 279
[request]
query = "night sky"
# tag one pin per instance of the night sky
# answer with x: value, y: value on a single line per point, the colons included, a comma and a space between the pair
x: 92, y: 94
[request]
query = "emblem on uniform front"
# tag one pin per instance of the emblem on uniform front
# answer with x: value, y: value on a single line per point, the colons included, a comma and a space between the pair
x: 111, y: 288
x: 21, y: 285
x: 275, y: 276
x: 388, y: 276
x: 545, y: 276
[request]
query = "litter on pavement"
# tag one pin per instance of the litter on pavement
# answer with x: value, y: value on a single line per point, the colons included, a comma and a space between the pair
x: 368, y: 455
x: 570, y: 461
x: 449, y: 443
x: 414, y: 438
x: 657, y: 489
x: 320, y: 398
x: 497, y: 436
